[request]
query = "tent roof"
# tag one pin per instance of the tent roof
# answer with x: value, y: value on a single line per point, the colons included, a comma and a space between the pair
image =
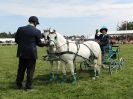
x: 119, y: 32
x: 7, y: 39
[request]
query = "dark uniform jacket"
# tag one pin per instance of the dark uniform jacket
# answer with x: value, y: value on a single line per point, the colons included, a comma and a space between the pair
x: 27, y: 37
x: 104, y: 39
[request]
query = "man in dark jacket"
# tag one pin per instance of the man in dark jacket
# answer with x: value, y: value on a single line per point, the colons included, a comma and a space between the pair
x: 103, y: 40
x: 27, y: 37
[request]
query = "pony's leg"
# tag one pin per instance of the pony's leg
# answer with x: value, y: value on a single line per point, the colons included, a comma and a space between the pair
x: 99, y: 63
x: 51, y: 71
x: 58, y: 67
x: 64, y: 79
x: 75, y: 69
x: 71, y: 64
x: 96, y: 69
x: 57, y: 70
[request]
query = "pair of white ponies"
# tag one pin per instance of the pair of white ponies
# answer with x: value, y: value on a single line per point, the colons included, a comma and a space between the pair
x: 71, y: 53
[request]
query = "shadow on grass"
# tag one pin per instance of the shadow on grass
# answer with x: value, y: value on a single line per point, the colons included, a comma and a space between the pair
x: 45, y: 79
x: 7, y: 86
x: 84, y: 74
x: 42, y: 80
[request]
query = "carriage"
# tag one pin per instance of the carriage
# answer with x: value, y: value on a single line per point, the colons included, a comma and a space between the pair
x: 111, y: 60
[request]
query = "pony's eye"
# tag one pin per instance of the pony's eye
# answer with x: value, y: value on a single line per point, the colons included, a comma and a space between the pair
x: 55, y: 37
x: 48, y: 37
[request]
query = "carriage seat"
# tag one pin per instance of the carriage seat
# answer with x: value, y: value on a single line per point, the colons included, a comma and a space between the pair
x: 113, y: 51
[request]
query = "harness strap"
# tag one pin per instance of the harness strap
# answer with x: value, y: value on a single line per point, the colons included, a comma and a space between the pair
x: 67, y: 45
x: 92, y: 56
x: 91, y: 52
x: 76, y: 54
x: 69, y: 52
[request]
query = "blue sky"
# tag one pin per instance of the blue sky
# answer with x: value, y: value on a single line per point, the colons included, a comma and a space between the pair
x: 68, y: 17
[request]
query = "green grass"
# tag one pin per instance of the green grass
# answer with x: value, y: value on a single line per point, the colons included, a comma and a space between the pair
x: 117, y: 86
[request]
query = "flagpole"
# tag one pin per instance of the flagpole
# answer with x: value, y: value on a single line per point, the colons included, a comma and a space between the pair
x: 126, y: 25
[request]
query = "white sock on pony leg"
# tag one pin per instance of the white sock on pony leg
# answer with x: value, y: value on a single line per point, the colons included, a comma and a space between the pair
x: 71, y: 64
x: 95, y: 69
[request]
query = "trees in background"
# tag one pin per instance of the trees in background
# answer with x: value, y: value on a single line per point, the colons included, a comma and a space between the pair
x: 126, y: 26
x: 123, y: 26
x: 7, y: 35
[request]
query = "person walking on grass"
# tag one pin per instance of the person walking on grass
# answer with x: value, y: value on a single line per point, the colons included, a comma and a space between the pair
x: 28, y: 38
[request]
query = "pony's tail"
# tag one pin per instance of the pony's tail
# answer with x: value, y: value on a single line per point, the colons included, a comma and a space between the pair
x: 99, y: 60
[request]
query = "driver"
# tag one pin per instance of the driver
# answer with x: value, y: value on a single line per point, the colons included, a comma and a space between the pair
x: 103, y: 39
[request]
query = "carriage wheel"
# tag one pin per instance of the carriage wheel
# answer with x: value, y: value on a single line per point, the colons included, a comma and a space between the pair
x: 83, y: 66
x: 112, y: 66
x: 121, y: 62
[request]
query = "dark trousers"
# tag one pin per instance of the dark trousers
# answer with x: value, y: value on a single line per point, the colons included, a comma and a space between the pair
x: 104, y: 50
x: 27, y: 65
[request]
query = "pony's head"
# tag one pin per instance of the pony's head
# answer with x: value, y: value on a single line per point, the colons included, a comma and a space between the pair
x: 52, y: 37
x: 45, y: 34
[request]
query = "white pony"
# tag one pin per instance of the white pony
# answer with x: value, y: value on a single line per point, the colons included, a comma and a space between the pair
x: 50, y: 50
x: 70, y: 52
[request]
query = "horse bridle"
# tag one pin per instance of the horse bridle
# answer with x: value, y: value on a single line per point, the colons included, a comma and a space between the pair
x: 54, y: 41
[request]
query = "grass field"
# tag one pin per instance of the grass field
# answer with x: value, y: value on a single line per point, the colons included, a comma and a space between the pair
x: 117, y: 86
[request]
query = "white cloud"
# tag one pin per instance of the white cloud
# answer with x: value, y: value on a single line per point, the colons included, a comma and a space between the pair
x: 105, y: 12
x: 70, y: 9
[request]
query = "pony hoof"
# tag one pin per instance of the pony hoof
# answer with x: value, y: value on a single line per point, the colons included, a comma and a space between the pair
x: 57, y: 78
x: 63, y: 82
x: 93, y: 78
x: 74, y: 82
x: 51, y: 80
x: 64, y: 79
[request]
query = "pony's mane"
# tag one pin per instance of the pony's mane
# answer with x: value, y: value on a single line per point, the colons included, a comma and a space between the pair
x: 62, y: 37
x: 58, y: 34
